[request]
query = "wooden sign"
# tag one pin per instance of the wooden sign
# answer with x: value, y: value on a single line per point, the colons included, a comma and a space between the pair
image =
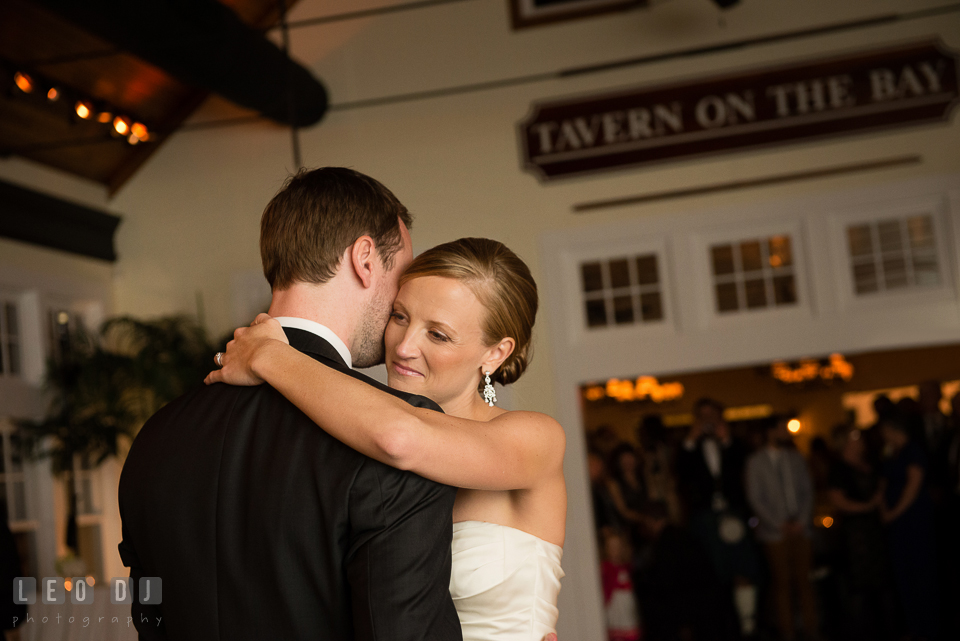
x: 531, y: 13
x: 872, y: 90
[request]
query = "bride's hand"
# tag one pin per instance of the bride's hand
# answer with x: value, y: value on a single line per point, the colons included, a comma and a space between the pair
x: 238, y: 361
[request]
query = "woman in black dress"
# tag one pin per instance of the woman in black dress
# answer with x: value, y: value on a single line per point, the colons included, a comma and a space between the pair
x: 627, y: 488
x: 908, y: 512
x: 854, y: 492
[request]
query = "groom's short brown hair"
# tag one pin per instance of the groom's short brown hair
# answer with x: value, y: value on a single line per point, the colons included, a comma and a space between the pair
x: 309, y: 224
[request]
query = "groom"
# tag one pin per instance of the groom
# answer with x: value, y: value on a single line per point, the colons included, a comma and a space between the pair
x: 262, y: 526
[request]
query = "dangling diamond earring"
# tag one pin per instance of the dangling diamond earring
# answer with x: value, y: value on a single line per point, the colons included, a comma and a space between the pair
x: 489, y: 394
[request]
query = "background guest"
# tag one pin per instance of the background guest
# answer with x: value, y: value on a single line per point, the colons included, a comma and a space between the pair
x: 949, y: 526
x: 885, y: 409
x: 605, y: 514
x: 908, y: 413
x: 657, y: 459
x: 908, y: 513
x: 855, y: 496
x: 604, y: 440
x: 627, y: 488
x: 934, y: 421
x: 781, y: 495
x: 710, y: 467
x: 616, y: 571
x: 679, y: 596
x: 820, y: 461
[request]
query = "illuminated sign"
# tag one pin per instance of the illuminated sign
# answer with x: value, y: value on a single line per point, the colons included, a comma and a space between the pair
x: 645, y: 388
x: 836, y: 367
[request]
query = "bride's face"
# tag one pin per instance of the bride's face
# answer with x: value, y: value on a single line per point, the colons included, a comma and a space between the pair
x: 434, y: 342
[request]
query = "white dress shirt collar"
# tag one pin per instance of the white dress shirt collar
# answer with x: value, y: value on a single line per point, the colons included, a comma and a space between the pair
x: 322, y: 331
x: 713, y: 457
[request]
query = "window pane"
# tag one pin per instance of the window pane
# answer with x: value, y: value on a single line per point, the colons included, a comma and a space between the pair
x: 920, y: 229
x: 780, y: 252
x: 592, y: 277
x: 756, y: 290
x: 13, y: 356
x: 890, y: 240
x: 925, y: 270
x: 727, y: 297
x: 651, y: 307
x: 13, y: 327
x: 784, y: 290
x: 16, y: 462
x: 86, y: 497
x: 647, y: 270
x: 89, y: 549
x: 750, y: 256
x: 619, y: 273
x: 722, y: 259
x: 865, y: 278
x: 88, y: 542
x: 19, y: 501
x: 894, y: 272
x: 623, y: 310
x: 861, y: 242
x: 596, y: 313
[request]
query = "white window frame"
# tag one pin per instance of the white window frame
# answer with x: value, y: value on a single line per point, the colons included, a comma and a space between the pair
x: 701, y: 244
x: 607, y: 292
x: 5, y: 370
x: 938, y: 207
x: 605, y: 249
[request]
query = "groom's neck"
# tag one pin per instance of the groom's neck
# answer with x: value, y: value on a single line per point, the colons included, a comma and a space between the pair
x: 323, y: 304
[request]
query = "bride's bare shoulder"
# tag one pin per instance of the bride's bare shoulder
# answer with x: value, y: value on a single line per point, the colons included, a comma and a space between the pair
x: 542, y: 427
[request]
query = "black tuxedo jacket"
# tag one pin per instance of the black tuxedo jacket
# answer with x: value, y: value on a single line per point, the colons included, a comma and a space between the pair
x: 263, y: 526
x: 696, y: 484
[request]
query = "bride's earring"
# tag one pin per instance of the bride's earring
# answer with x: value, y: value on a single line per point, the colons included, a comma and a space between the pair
x: 489, y: 394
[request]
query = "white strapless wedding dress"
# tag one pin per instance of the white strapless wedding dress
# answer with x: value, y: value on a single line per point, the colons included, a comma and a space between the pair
x: 504, y: 582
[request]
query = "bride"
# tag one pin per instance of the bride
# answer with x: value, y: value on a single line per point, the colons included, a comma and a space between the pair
x: 462, y: 320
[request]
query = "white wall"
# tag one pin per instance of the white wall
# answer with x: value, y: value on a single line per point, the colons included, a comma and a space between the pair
x: 191, y: 214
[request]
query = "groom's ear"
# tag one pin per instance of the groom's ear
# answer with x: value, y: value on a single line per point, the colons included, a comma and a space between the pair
x: 363, y: 259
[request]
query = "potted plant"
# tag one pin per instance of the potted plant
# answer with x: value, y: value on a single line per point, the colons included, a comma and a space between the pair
x: 104, y: 386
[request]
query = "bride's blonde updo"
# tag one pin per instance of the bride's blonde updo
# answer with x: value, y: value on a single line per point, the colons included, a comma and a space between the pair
x: 503, y: 285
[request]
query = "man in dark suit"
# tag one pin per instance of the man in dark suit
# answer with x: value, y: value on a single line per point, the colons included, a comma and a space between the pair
x: 710, y: 466
x: 261, y: 525
x: 710, y: 462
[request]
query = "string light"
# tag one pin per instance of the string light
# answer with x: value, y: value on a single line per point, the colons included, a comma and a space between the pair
x: 133, y: 131
x: 139, y: 130
x: 793, y: 425
x: 122, y: 125
x: 24, y: 82
x: 84, y: 109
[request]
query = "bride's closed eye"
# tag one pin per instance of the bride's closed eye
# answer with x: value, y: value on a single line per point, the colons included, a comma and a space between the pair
x: 438, y: 336
x: 397, y: 316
